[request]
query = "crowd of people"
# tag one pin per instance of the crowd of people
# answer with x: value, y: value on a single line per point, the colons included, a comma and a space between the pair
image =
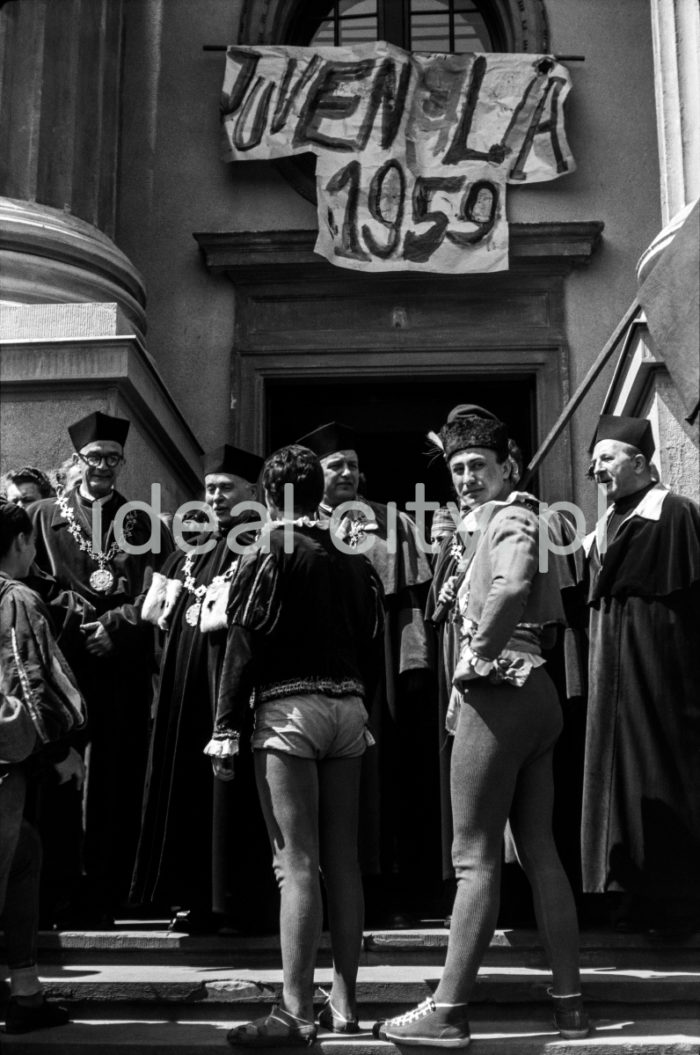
x: 175, y: 705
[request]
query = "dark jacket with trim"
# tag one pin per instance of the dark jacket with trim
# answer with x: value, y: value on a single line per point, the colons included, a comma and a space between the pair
x: 303, y: 621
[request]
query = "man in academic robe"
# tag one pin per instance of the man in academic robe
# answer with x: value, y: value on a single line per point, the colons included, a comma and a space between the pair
x: 85, y: 543
x: 184, y: 858
x: 641, y: 803
x: 399, y: 836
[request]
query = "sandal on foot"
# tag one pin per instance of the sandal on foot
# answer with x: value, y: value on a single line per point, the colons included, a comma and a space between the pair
x: 570, y: 1016
x: 279, y: 1029
x: 331, y: 1019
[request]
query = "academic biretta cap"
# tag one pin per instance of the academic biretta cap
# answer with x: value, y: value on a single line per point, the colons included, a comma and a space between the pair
x: 635, y: 431
x: 98, y: 426
x: 233, y: 461
x: 330, y: 438
x: 464, y: 410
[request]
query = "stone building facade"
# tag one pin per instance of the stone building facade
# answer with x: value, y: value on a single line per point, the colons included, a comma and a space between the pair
x: 141, y: 275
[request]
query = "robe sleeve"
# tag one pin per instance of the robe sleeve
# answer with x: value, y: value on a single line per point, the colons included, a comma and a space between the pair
x: 415, y: 646
x: 570, y: 571
x: 372, y: 652
x: 123, y: 623
x: 445, y: 566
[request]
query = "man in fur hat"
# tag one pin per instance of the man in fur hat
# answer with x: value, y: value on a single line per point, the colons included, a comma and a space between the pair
x: 641, y: 810
x: 80, y: 543
x: 506, y: 718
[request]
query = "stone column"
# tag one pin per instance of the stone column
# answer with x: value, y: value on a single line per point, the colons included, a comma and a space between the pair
x: 676, y: 38
x: 59, y: 145
x: 72, y: 305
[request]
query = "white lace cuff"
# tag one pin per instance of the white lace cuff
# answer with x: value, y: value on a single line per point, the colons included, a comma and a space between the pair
x: 511, y: 666
x: 227, y: 748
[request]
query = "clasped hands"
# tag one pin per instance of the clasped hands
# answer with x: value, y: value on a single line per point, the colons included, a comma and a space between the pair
x: 448, y: 590
x: 99, y: 643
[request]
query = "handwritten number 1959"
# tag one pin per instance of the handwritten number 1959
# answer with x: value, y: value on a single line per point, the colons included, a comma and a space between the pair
x: 386, y: 202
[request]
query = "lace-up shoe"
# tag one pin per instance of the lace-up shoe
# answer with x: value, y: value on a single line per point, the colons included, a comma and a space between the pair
x: 430, y: 1024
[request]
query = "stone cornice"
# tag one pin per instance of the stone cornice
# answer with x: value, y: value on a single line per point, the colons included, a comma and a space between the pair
x: 96, y: 364
x: 247, y: 255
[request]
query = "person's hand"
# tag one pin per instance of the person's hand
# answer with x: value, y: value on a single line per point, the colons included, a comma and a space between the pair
x: 448, y: 590
x: 71, y: 768
x: 223, y: 768
x: 99, y: 643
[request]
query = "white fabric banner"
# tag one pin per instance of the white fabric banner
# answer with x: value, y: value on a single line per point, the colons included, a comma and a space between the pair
x: 414, y: 151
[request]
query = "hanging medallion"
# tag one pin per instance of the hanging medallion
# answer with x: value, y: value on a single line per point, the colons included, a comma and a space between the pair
x: 102, y: 580
x: 192, y: 613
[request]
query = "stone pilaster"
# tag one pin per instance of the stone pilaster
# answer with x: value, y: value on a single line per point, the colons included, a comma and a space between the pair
x: 676, y: 37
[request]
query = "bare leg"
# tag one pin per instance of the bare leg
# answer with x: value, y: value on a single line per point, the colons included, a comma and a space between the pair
x: 288, y: 788
x: 339, y: 786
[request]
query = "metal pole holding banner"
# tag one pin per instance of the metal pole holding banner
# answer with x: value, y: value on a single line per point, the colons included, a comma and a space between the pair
x: 581, y: 392
x: 559, y: 58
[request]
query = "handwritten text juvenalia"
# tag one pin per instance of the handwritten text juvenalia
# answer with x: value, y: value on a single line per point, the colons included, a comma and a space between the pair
x: 414, y: 151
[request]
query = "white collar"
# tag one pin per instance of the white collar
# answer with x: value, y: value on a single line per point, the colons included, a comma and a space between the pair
x: 92, y: 500
x: 649, y: 508
x: 651, y: 503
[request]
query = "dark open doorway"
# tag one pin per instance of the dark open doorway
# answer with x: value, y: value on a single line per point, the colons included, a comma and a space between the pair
x: 392, y: 418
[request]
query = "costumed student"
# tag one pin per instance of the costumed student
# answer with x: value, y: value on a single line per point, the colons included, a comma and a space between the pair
x: 566, y: 663
x: 400, y: 827
x: 304, y: 640
x: 451, y: 563
x: 187, y: 845
x: 641, y: 804
x: 506, y: 719
x: 81, y: 558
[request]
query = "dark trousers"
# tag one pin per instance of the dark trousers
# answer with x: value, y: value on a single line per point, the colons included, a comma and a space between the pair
x: 20, y: 865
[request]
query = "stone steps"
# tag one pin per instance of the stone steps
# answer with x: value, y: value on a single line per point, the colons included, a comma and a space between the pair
x: 623, y: 1036
x: 426, y: 946
x: 245, y: 990
x: 138, y: 990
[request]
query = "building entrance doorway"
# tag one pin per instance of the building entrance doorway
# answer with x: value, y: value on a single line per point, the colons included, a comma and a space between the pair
x: 392, y: 418
x: 391, y: 354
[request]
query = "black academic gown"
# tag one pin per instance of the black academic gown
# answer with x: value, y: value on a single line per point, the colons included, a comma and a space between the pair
x: 173, y: 861
x: 399, y: 836
x: 117, y: 687
x: 641, y: 803
x: 186, y: 855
